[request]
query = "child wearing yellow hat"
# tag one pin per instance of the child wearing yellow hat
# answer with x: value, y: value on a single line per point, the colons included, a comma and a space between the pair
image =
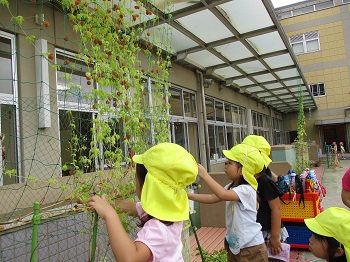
x: 330, y: 234
x: 269, y: 212
x: 345, y: 193
x: 162, y: 173
x: 244, y: 240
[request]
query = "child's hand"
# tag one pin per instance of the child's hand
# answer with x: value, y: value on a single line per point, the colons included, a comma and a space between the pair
x: 101, y: 206
x: 202, y: 172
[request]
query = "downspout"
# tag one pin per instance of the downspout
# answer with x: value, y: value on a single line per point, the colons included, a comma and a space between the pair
x: 206, y: 133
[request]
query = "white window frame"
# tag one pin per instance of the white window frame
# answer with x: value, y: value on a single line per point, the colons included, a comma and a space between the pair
x: 304, y: 39
x: 12, y: 99
x: 318, y: 92
x: 217, y: 157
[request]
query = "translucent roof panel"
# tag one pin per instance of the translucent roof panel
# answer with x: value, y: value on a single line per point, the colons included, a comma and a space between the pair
x: 264, y: 78
x: 201, y: 23
x: 267, y: 43
x: 227, y: 72
x: 254, y: 89
x: 247, y: 16
x: 279, y: 61
x: 288, y: 73
x: 204, y: 58
x: 273, y: 86
x: 243, y: 82
x: 252, y: 67
x: 237, y: 43
x: 234, y: 51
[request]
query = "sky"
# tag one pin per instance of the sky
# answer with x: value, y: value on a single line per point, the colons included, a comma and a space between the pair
x: 279, y: 3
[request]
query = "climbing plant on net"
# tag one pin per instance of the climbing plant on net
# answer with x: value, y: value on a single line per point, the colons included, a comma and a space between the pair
x: 121, y: 46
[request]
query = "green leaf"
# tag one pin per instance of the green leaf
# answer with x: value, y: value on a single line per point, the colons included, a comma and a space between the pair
x: 18, y: 20
x: 5, y: 2
x: 30, y: 39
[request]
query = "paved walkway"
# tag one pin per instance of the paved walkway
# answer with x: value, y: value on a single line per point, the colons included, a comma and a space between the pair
x: 331, y: 180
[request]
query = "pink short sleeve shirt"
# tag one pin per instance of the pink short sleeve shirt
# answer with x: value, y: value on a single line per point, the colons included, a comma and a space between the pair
x: 346, y: 180
x: 163, y: 241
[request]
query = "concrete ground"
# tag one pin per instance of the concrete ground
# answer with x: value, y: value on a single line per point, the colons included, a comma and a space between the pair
x: 331, y: 180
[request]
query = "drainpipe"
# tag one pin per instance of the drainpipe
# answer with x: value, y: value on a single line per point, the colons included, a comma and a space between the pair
x: 205, y: 125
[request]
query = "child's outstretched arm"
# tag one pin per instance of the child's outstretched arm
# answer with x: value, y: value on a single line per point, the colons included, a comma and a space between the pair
x: 275, y: 239
x: 124, y: 249
x: 126, y: 206
x: 215, y: 187
x: 204, y: 198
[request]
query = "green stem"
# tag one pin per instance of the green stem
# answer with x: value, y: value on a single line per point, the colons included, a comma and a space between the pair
x: 94, y: 237
x: 36, y: 222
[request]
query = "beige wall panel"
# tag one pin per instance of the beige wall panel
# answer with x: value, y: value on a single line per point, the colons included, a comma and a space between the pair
x: 64, y: 29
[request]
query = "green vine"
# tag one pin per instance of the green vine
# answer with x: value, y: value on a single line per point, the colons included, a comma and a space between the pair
x: 302, y: 159
x: 122, y: 55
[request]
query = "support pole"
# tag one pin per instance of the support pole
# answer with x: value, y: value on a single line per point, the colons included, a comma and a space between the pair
x: 94, y: 237
x: 36, y: 222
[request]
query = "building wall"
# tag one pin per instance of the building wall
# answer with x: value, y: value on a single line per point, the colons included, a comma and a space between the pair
x: 330, y: 65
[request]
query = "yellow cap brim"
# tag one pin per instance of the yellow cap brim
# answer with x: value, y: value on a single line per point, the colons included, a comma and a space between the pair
x: 228, y: 154
x: 137, y: 159
x: 315, y: 227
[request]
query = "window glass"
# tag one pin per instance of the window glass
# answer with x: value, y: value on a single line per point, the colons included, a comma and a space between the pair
x: 8, y: 129
x: 254, y: 119
x: 230, y: 137
x: 243, y: 117
x: 209, y: 104
x: 228, y: 117
x: 189, y: 104
x: 175, y: 102
x: 303, y: 10
x: 318, y: 89
x: 213, y: 152
x: 112, y: 150
x: 236, y: 135
x: 145, y: 96
x: 72, y: 85
x: 298, y: 48
x: 220, y: 140
x: 235, y: 112
x: 312, y: 45
x: 6, y: 66
x: 158, y: 95
x: 76, y: 124
x: 219, y: 112
x: 180, y: 130
x: 324, y: 5
x: 243, y: 134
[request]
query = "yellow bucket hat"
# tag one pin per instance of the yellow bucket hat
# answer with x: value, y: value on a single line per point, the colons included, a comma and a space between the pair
x: 333, y: 222
x: 251, y: 160
x: 170, y: 168
x: 260, y: 143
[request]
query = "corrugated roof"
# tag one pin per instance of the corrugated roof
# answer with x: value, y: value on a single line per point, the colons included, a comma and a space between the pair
x: 240, y: 44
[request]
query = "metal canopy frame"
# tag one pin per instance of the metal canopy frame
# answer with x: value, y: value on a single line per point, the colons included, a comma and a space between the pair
x: 238, y: 43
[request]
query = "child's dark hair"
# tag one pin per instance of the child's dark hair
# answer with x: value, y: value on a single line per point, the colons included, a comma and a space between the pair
x: 141, y: 173
x: 332, y: 245
x: 241, y: 181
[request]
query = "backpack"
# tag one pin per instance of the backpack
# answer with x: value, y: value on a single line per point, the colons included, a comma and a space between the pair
x: 282, y: 184
x: 299, y: 189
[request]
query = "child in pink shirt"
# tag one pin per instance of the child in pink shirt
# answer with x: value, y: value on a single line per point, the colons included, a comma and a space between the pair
x: 162, y: 173
x: 345, y: 193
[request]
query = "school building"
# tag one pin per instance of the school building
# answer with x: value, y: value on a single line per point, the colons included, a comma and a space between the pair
x: 238, y: 67
x: 318, y: 32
